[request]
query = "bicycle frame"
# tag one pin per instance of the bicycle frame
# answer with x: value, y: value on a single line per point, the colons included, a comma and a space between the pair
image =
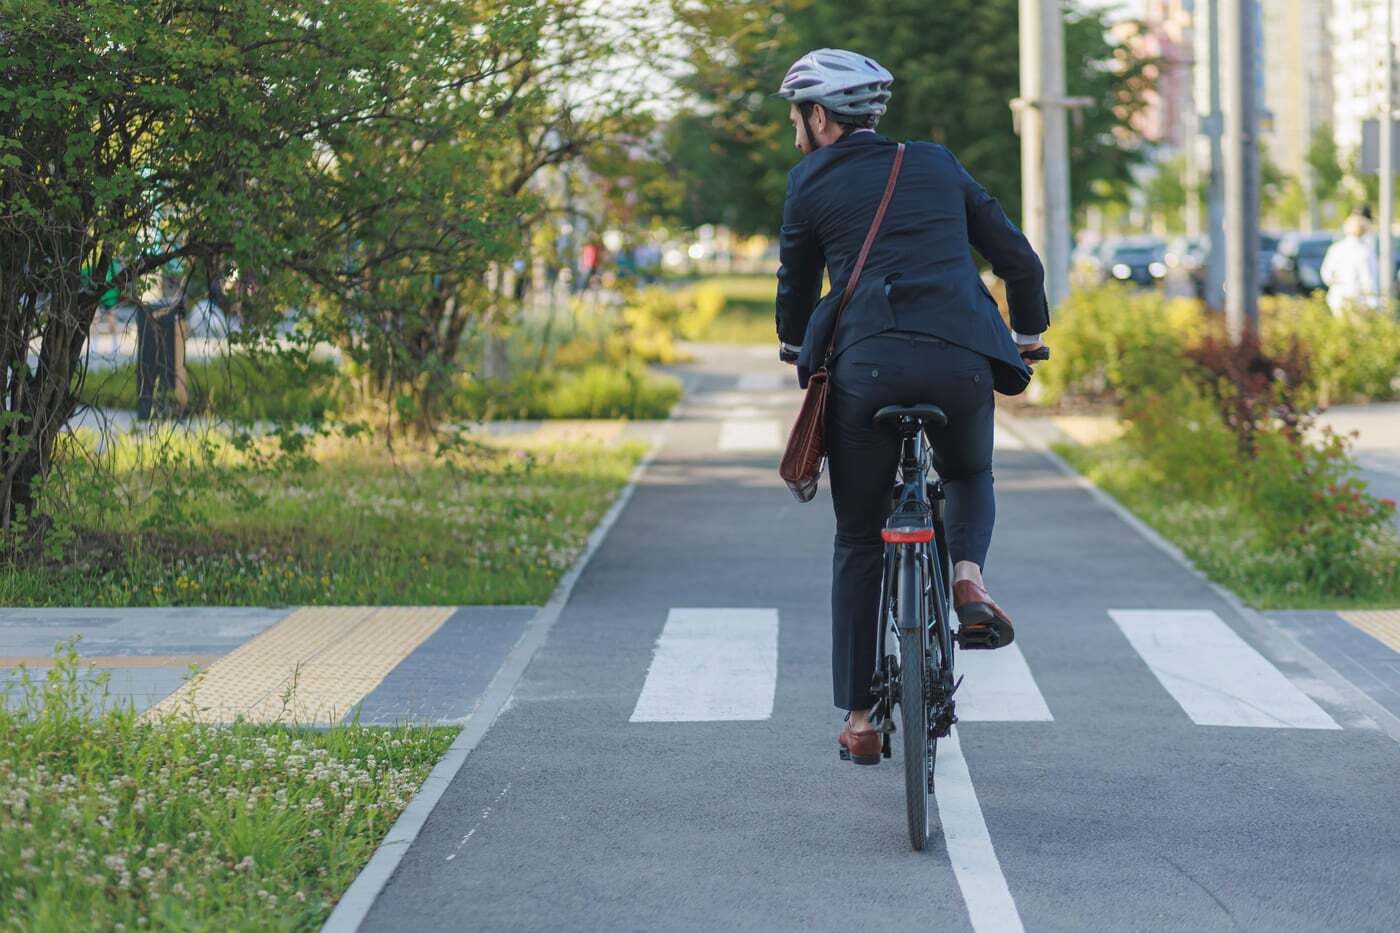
x: 913, y: 488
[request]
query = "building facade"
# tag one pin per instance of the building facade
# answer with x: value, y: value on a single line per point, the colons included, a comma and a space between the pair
x: 1358, y: 66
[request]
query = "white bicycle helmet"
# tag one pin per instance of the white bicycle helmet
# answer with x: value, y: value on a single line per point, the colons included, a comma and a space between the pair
x: 845, y: 83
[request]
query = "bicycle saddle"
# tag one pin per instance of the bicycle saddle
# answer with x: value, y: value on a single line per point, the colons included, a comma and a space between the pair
x: 926, y: 414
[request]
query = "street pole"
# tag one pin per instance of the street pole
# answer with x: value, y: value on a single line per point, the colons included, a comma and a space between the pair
x: 1237, y: 67
x: 1212, y: 124
x: 1054, y: 121
x: 1387, y: 166
x: 1034, y: 217
x: 1041, y: 119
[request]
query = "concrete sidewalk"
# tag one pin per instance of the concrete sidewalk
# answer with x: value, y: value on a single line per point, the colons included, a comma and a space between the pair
x: 308, y: 666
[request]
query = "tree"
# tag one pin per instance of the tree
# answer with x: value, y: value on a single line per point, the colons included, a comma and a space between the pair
x: 354, y: 150
x: 1325, y: 163
x: 956, y: 69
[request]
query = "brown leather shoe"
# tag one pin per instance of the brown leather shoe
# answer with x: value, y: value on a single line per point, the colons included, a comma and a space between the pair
x: 982, y: 623
x: 861, y: 747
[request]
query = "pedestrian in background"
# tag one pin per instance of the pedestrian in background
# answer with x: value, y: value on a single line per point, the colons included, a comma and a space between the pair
x: 1349, y: 270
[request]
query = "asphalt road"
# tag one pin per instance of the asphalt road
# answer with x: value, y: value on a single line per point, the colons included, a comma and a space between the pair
x: 1149, y: 759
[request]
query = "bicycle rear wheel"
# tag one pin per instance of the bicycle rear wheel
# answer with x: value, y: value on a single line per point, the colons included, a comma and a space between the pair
x: 912, y: 619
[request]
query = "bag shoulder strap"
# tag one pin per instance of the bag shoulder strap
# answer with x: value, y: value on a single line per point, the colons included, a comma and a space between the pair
x: 865, y: 248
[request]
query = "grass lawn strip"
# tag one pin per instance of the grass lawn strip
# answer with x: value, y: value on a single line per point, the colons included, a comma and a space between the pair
x: 747, y: 316
x: 355, y: 525
x: 111, y: 822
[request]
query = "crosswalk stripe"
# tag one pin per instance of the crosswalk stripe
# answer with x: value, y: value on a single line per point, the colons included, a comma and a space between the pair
x: 749, y: 434
x: 712, y: 665
x: 1213, y: 674
x: 990, y: 906
x: 999, y: 688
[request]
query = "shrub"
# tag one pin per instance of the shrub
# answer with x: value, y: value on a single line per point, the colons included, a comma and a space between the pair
x: 239, y: 387
x: 596, y: 391
x: 1112, y: 341
x: 1287, y: 524
x: 1355, y: 357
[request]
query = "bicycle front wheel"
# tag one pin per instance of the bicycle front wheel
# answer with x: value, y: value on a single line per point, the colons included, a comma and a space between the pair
x: 913, y: 697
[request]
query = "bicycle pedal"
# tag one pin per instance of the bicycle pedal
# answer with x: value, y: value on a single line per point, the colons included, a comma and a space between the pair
x: 979, y: 638
x: 845, y: 754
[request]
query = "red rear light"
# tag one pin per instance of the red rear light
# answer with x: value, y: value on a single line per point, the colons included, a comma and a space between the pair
x: 907, y: 536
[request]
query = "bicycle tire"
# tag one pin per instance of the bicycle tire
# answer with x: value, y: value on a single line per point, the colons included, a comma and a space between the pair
x: 913, y: 664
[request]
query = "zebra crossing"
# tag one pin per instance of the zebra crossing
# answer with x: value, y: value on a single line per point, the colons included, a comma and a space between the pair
x: 721, y: 665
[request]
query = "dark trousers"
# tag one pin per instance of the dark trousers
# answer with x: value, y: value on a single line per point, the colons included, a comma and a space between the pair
x: 899, y: 369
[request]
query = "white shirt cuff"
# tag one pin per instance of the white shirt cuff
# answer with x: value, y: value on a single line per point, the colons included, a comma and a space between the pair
x: 1026, y: 340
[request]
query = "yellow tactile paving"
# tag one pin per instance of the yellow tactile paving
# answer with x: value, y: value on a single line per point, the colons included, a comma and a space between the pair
x: 339, y: 677
x: 1381, y: 624
x: 118, y: 661
x: 309, y: 668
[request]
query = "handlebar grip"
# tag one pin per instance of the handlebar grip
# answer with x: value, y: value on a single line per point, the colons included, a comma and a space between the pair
x: 1039, y: 353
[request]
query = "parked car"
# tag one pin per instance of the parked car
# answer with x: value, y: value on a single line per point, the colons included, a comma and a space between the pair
x: 1140, y: 260
x: 1185, y: 258
x: 1268, y: 246
x: 1296, y: 268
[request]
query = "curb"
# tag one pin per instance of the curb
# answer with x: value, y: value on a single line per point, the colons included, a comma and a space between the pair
x: 355, y: 904
x: 1339, y: 690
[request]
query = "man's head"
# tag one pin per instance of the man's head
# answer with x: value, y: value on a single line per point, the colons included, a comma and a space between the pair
x: 833, y: 92
x: 825, y: 128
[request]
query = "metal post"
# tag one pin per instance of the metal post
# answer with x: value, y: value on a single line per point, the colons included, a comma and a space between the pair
x: 1241, y: 168
x: 1033, y: 207
x: 1387, y: 164
x: 1212, y: 124
x: 1056, y: 154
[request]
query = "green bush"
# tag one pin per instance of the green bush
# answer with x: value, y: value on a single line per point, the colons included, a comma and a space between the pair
x: 240, y: 387
x: 1112, y: 341
x: 734, y: 309
x: 595, y: 391
x: 1298, y: 522
x: 1353, y: 358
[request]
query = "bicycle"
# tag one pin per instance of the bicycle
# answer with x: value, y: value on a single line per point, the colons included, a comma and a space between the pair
x: 916, y: 607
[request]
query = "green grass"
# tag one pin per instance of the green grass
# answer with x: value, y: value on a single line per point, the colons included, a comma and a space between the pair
x: 1222, y: 540
x: 594, y: 391
x: 111, y: 822
x: 360, y: 524
x: 240, y: 387
x: 747, y: 316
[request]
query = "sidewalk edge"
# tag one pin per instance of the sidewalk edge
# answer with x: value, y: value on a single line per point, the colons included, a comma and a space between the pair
x: 354, y: 905
x: 1281, y: 642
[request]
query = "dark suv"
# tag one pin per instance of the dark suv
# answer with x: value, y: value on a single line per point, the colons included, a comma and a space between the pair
x: 1296, y: 268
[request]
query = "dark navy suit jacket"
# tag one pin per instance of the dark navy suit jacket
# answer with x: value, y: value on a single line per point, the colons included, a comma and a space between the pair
x: 920, y: 275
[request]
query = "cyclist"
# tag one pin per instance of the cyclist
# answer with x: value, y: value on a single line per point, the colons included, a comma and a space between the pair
x: 920, y: 327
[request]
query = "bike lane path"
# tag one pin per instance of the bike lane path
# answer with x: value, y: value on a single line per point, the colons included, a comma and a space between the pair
x: 596, y: 800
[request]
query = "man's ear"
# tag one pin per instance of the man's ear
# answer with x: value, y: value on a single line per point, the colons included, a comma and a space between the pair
x: 818, y: 118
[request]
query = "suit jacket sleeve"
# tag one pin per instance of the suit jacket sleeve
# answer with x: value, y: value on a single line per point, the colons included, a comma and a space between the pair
x: 799, y: 271
x: 1013, y: 260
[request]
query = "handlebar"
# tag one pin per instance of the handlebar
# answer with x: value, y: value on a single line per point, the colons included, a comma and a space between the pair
x: 1038, y: 354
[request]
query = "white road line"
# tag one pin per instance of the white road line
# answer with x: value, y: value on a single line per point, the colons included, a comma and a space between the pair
x: 756, y: 381
x: 749, y: 434
x: 999, y: 688
x: 1006, y: 440
x: 1216, y: 677
x: 989, y: 903
x: 712, y: 665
